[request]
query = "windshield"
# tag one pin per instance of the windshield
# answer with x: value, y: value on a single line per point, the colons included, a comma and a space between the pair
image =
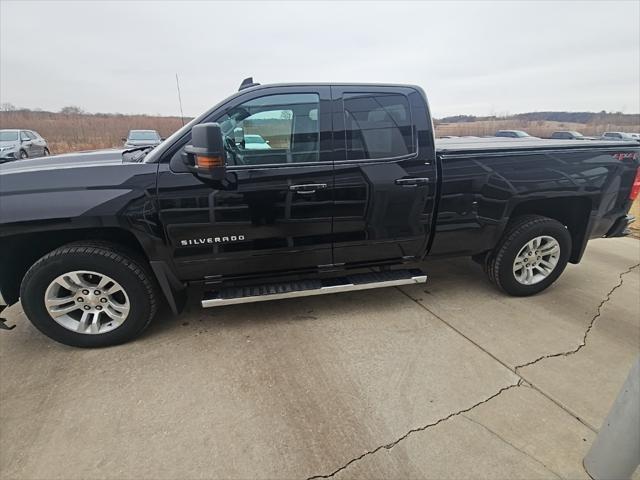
x: 8, y: 136
x: 253, y: 139
x: 142, y: 135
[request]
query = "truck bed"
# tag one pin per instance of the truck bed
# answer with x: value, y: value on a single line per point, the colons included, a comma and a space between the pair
x: 452, y: 146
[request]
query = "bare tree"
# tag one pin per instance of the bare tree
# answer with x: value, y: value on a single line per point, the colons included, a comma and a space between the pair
x: 72, y: 110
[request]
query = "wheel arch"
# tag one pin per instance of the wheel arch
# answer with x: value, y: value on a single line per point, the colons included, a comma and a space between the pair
x: 573, y: 212
x: 18, y: 252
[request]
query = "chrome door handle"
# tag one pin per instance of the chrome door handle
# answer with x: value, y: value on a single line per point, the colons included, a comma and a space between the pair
x: 307, y: 188
x: 411, y: 182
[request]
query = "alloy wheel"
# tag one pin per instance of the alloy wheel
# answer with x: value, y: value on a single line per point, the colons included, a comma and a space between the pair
x: 87, y: 302
x: 536, y: 260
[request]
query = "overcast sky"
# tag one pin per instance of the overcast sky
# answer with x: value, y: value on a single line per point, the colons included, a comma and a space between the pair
x: 475, y: 57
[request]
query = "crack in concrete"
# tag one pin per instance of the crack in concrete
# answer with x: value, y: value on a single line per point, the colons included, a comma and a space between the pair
x: 389, y: 446
x: 589, y: 327
x: 520, y: 382
x: 495, y: 434
x: 511, y: 368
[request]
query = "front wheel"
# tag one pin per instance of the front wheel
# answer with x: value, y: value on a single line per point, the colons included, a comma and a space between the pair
x: 533, y: 253
x: 89, y: 295
x: 23, y: 154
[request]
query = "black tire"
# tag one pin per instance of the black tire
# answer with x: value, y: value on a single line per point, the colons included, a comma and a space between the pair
x: 23, y: 154
x: 122, y: 266
x: 499, y: 266
x: 46, y: 152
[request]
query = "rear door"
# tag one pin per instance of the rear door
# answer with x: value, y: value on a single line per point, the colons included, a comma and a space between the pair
x: 38, y: 143
x: 385, y: 174
x: 26, y: 142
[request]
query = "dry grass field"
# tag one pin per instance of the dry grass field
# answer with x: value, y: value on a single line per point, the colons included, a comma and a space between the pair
x: 542, y: 128
x: 76, y: 132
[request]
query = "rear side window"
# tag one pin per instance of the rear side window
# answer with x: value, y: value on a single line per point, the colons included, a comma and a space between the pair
x: 377, y: 126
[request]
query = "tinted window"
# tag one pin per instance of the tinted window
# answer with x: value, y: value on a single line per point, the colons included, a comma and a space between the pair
x: 24, y: 136
x: 273, y: 129
x: 506, y: 134
x: 377, y: 126
x: 8, y: 136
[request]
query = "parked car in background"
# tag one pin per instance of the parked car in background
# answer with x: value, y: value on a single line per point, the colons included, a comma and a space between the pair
x: 512, y: 134
x: 568, y: 135
x: 142, y: 138
x: 256, y: 142
x: 618, y: 136
x: 20, y: 144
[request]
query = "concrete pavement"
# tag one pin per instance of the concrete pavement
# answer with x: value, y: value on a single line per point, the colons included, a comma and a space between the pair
x: 448, y: 380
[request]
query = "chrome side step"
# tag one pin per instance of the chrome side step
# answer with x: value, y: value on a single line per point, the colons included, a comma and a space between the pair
x: 307, y: 288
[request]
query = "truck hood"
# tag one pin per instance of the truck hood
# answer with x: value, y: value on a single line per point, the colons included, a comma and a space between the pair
x: 70, y: 160
x: 92, y: 187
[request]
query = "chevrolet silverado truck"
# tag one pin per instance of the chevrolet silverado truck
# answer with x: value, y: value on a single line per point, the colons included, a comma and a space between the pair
x: 352, y: 193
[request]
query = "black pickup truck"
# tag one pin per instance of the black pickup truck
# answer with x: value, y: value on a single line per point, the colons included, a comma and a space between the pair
x: 290, y: 190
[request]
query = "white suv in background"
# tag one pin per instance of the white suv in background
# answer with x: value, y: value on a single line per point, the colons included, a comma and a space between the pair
x: 618, y: 136
x: 16, y: 144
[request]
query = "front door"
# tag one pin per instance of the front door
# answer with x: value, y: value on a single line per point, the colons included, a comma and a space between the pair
x: 273, y: 212
x: 385, y: 174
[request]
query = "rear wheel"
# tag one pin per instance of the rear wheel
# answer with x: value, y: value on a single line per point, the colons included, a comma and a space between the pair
x: 46, y: 152
x: 533, y: 253
x: 89, y: 295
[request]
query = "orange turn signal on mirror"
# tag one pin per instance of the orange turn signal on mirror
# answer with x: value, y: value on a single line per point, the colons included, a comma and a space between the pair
x: 208, y: 162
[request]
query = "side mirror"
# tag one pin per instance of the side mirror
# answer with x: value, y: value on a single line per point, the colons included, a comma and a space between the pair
x: 205, y: 154
x: 124, y: 139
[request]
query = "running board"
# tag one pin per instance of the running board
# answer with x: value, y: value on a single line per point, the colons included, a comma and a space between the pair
x: 307, y: 288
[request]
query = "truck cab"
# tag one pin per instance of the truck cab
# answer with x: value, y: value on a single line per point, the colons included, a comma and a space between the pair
x: 349, y: 178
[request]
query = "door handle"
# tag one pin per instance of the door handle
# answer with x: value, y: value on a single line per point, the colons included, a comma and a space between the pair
x: 411, y: 182
x: 307, y: 188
